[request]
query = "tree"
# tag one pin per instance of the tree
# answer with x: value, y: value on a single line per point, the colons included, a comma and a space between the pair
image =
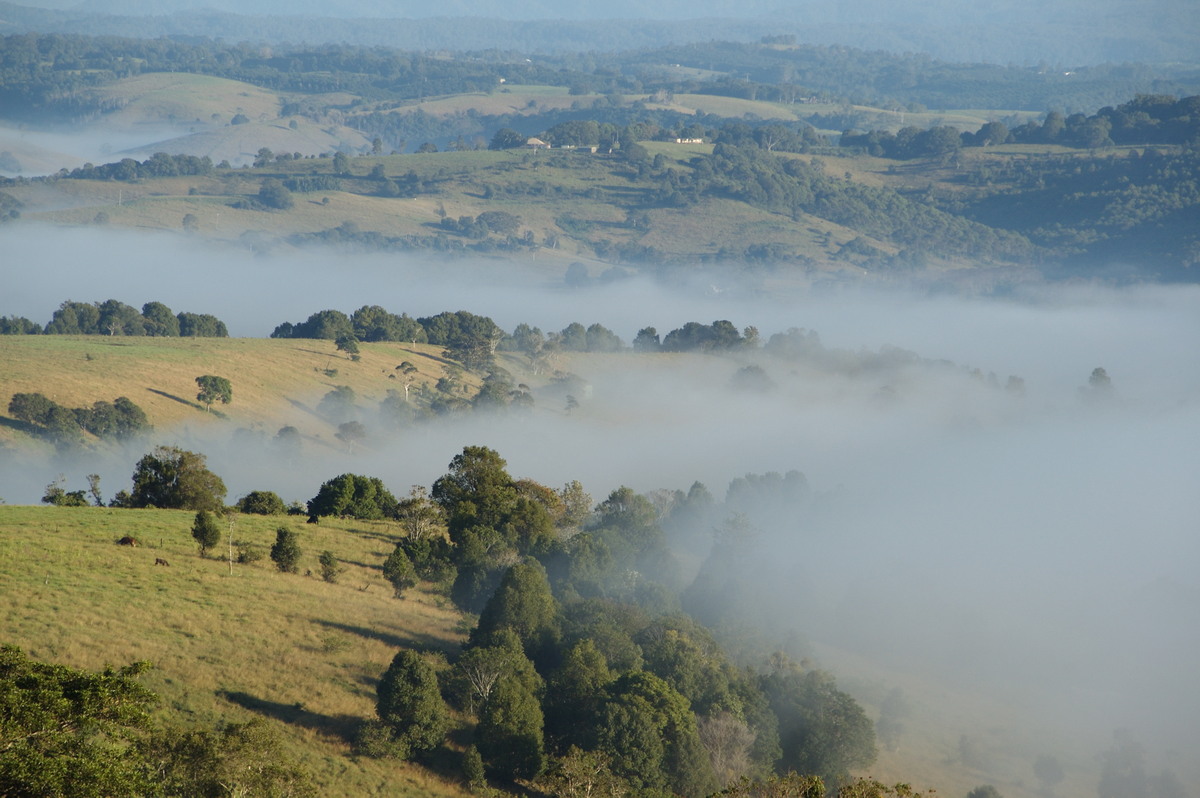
x: 523, y: 603
x: 398, y: 569
x: 285, y: 553
x: 509, y: 734
x: 261, y: 502
x: 575, y: 695
x: 409, y: 703
x: 792, y: 785
x: 94, y: 489
x: 419, y: 517
x: 214, y: 389
x: 330, y: 567
x: 351, y: 433
x: 174, y: 478
x: 477, y: 491
x: 341, y: 164
x: 338, y: 405
x: 206, y: 531
x: 1049, y: 772
x: 580, y: 774
x: 117, y: 318
x: 650, y: 734
x: 347, y: 343
x: 233, y: 759
x: 507, y: 139
x: 56, y: 495
x: 822, y: 729
x: 158, y: 319
x: 984, y: 791
x: 71, y: 732
x: 727, y: 740
x: 275, y: 195
x: 201, y: 325
x: 32, y: 408
x: 353, y: 496
x: 1099, y: 380
x: 472, y: 769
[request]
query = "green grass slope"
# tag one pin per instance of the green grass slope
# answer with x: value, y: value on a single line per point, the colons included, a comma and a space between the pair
x: 227, y: 643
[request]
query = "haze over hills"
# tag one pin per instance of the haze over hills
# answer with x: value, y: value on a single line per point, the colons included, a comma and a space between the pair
x: 1062, y: 33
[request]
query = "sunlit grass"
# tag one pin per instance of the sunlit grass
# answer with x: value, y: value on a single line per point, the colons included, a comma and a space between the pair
x: 274, y: 380
x: 300, y: 651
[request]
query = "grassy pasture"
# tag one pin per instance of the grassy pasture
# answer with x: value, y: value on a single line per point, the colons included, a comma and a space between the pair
x: 301, y: 652
x: 504, y: 100
x: 180, y: 97
x: 271, y: 378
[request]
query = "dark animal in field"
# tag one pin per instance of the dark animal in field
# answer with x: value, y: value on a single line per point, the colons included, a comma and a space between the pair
x: 161, y: 561
x: 127, y: 541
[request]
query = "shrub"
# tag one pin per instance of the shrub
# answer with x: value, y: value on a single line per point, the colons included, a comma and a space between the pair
x: 206, y: 531
x: 286, y: 551
x: 248, y: 553
x: 330, y: 567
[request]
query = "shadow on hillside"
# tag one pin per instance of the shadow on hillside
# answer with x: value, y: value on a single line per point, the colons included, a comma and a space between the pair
x: 374, y: 534
x: 342, y: 727
x: 303, y: 407
x: 188, y: 402
x: 22, y: 426
x: 420, y: 642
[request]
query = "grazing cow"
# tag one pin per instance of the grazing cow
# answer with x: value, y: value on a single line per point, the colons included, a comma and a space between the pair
x: 161, y: 561
x: 127, y: 541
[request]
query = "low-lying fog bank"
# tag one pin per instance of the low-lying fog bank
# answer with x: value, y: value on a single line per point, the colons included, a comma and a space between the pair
x: 1038, y: 547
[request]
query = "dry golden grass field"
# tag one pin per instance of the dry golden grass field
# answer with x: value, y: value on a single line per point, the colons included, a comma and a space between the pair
x: 275, y: 381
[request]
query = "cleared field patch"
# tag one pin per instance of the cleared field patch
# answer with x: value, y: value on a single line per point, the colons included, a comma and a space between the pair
x: 501, y: 101
x: 733, y: 107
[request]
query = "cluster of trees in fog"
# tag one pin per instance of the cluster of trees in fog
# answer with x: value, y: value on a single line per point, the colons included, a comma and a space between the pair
x: 118, y: 420
x: 474, y: 340
x: 112, y: 317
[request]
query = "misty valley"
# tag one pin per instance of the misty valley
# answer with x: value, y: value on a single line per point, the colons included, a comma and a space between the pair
x: 672, y: 416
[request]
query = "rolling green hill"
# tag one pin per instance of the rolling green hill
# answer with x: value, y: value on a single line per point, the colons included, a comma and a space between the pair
x: 227, y: 644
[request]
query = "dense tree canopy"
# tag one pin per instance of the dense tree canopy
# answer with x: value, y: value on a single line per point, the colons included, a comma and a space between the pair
x: 70, y: 732
x: 174, y: 478
x: 353, y: 496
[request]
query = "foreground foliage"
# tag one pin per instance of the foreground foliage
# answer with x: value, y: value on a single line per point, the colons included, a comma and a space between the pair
x: 70, y: 732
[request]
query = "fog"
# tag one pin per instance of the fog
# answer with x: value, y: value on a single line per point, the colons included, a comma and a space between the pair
x: 43, y: 151
x: 1038, y: 549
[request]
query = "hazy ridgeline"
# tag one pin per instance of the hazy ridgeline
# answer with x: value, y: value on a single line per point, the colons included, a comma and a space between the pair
x: 1036, y: 546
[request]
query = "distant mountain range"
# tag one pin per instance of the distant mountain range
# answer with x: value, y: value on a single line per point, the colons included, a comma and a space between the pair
x: 1065, y: 32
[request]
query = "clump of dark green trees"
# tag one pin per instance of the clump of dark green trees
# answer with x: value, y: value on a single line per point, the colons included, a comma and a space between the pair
x: 583, y: 658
